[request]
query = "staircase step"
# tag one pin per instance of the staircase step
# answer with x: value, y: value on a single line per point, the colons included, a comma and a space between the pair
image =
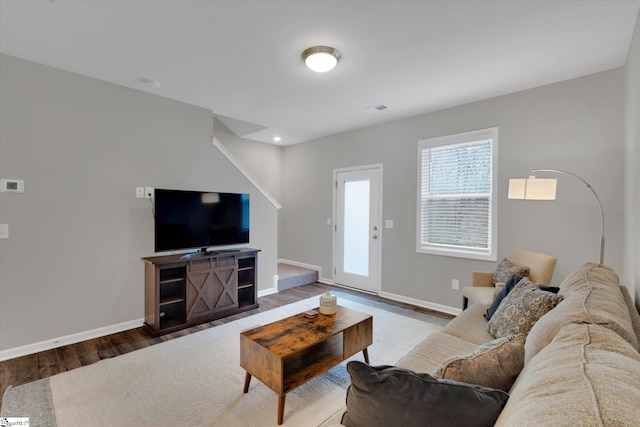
x: 291, y: 276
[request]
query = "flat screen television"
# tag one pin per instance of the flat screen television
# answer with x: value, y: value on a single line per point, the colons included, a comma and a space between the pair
x: 196, y: 219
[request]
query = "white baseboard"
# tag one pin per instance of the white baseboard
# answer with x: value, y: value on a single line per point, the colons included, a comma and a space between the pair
x: 274, y: 289
x: 265, y: 292
x: 338, y: 285
x: 421, y: 303
x: 68, y: 339
x: 303, y: 265
x: 326, y: 281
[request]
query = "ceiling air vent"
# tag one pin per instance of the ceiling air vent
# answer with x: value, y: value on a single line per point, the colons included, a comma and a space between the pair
x: 376, y: 109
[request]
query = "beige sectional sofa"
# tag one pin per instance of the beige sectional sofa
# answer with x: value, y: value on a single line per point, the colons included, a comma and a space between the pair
x: 582, y: 360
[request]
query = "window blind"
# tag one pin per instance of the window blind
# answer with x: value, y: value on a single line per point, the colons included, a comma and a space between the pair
x: 456, y: 184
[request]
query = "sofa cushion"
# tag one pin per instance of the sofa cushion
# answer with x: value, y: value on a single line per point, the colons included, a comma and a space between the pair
x: 470, y: 326
x: 521, y: 309
x: 591, y: 295
x: 587, y: 376
x: 506, y: 269
x: 427, y: 356
x: 389, y: 395
x: 495, y: 364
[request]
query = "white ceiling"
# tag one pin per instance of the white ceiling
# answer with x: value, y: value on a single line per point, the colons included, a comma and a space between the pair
x: 241, y: 59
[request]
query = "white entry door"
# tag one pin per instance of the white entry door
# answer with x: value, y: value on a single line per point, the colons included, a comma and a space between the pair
x: 357, y: 228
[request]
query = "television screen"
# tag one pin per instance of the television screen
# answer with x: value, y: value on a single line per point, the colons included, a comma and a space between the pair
x: 195, y: 219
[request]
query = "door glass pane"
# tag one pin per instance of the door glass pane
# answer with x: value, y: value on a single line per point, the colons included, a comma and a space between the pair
x: 356, y: 227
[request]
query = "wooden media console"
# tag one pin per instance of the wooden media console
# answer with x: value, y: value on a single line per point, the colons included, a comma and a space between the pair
x: 180, y: 293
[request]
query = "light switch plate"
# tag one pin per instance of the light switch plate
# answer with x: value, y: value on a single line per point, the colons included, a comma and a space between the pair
x: 4, y: 231
x: 388, y: 223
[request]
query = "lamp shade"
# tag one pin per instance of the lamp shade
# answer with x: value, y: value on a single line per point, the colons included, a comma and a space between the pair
x: 532, y: 188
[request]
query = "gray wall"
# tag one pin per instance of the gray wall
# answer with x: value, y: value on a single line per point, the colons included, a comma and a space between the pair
x: 263, y: 161
x: 576, y: 125
x: 72, y: 262
x: 632, y: 173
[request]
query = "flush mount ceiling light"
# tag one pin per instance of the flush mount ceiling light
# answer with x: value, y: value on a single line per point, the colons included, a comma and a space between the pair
x: 321, y: 58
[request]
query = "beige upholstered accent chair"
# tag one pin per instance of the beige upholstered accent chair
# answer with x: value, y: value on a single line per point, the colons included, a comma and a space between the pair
x: 483, y: 289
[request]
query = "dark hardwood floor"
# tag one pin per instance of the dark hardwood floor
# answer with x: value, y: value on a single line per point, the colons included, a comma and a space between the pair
x: 22, y: 370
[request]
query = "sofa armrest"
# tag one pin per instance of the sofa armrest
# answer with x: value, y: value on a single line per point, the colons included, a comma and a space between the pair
x: 482, y: 278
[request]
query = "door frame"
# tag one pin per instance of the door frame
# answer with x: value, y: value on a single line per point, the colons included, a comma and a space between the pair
x: 336, y: 171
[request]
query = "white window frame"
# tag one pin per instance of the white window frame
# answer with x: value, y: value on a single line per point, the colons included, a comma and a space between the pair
x: 488, y: 254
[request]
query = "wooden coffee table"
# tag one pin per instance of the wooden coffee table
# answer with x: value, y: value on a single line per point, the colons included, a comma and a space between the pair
x: 286, y: 354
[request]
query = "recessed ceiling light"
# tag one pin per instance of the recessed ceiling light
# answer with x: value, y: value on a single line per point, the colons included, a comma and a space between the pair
x: 321, y: 58
x: 277, y: 139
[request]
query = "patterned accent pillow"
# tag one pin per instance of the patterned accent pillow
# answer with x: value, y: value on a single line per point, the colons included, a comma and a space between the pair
x: 506, y: 269
x: 504, y: 291
x: 495, y: 364
x: 521, y: 309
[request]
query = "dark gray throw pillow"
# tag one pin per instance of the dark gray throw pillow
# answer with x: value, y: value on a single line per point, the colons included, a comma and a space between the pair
x: 390, y: 396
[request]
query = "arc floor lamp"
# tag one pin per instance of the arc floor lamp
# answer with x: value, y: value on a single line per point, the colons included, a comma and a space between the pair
x: 533, y: 188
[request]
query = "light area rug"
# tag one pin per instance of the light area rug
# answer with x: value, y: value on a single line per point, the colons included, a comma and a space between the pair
x: 196, y: 380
